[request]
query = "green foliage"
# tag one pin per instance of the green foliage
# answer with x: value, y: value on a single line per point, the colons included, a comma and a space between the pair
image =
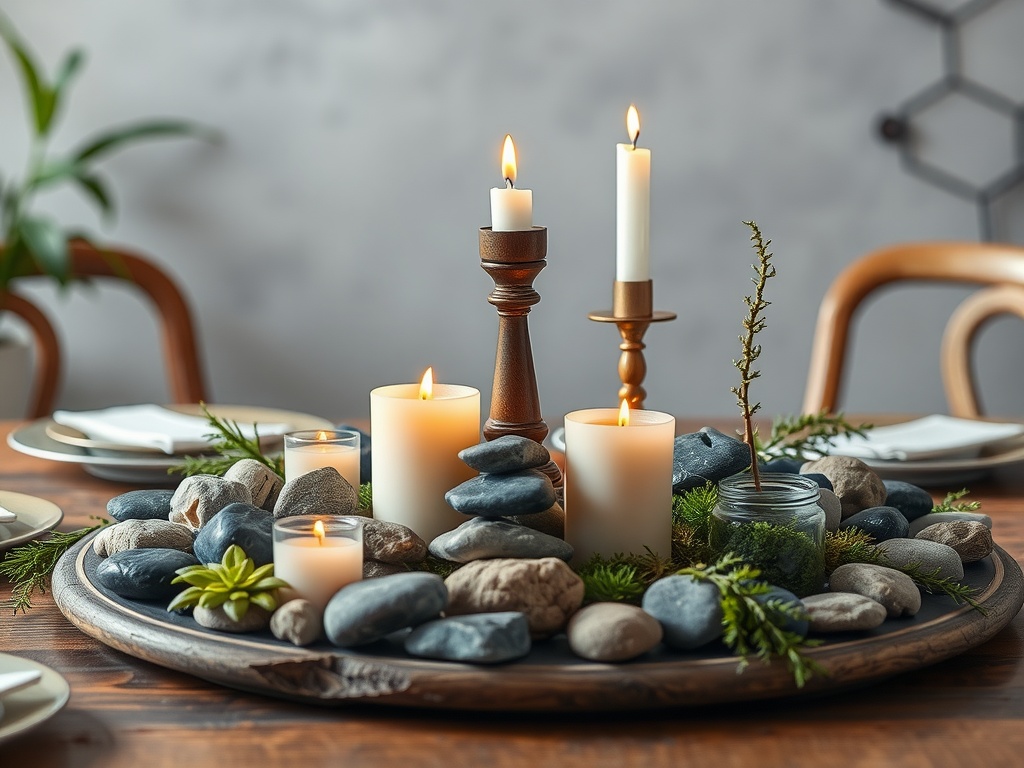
x: 786, y: 557
x: 231, y: 446
x: 438, y: 566
x: 611, y: 580
x: 755, y: 629
x: 930, y: 582
x: 366, y: 496
x: 691, y: 525
x: 805, y: 436
x: 850, y: 545
x: 234, y: 583
x: 950, y: 503
x: 30, y: 566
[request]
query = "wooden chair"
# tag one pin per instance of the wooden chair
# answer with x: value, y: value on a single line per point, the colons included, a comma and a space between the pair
x: 986, y: 264
x: 181, y: 354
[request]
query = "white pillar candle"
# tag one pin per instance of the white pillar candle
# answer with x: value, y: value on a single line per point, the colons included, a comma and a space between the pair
x: 312, y: 449
x: 318, y: 555
x: 416, y: 441
x: 632, y: 206
x: 511, y: 208
x: 618, y: 482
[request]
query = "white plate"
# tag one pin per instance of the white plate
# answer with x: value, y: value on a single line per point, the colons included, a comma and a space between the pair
x: 32, y: 439
x: 35, y: 517
x: 30, y: 706
x: 930, y: 438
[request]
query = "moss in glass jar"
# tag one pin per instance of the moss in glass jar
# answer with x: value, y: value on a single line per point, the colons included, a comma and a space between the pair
x: 787, y: 558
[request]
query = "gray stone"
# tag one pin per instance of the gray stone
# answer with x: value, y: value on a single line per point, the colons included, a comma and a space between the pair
x: 690, y: 611
x: 374, y: 569
x: 546, y: 590
x: 142, y: 534
x: 365, y: 611
x: 509, y: 453
x: 480, y: 638
x: 820, y: 479
x: 948, y: 517
x: 893, y: 589
x: 297, y: 621
x: 392, y: 543
x: 785, y: 598
x: 843, y: 612
x: 320, y: 492
x: 829, y: 502
x: 972, y: 541
x: 264, y: 484
x: 551, y: 521
x: 853, y: 481
x: 519, y: 493
x: 141, y: 505
x: 706, y: 456
x: 248, y: 526
x: 200, y: 497
x: 612, y: 632
x: 930, y: 555
x: 881, y: 523
x: 909, y: 499
x: 255, y: 619
x: 144, y: 574
x: 481, y: 538
x: 365, y: 453
x: 783, y: 465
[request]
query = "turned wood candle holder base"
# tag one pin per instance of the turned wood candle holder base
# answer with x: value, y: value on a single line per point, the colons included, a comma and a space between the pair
x: 632, y: 311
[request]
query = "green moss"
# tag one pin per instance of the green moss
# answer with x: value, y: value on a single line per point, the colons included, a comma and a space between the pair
x: 786, y: 557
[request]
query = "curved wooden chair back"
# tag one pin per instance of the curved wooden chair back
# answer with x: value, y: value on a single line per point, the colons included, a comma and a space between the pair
x: 180, y: 346
x: 987, y: 264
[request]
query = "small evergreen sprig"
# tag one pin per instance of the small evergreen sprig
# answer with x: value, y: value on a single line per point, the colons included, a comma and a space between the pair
x: 753, y: 324
x: 230, y: 446
x: 952, y: 503
x: 805, y: 436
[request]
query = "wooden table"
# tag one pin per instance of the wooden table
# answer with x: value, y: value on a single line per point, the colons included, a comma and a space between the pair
x: 124, y: 712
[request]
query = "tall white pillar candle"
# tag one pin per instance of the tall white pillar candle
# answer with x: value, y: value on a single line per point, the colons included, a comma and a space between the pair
x: 416, y: 442
x: 632, y: 206
x: 511, y: 208
x: 618, y: 483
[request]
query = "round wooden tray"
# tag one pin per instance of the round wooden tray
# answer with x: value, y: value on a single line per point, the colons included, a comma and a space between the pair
x: 549, y: 679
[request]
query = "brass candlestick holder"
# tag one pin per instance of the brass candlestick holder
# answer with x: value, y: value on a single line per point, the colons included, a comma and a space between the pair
x: 633, y: 312
x: 513, y: 260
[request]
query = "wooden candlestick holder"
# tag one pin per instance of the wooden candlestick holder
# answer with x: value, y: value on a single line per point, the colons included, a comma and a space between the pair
x: 633, y: 312
x: 513, y: 260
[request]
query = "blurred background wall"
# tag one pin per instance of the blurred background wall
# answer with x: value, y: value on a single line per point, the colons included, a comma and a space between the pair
x: 329, y: 244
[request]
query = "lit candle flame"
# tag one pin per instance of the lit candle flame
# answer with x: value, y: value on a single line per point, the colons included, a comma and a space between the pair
x: 427, y: 385
x: 319, y: 532
x: 321, y: 435
x: 624, y: 414
x: 508, y: 161
x: 633, y: 124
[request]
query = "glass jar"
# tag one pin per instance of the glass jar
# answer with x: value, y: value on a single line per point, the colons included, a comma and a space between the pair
x: 779, y: 529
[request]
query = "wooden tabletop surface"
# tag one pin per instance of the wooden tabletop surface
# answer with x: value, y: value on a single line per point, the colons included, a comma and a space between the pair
x: 123, y: 712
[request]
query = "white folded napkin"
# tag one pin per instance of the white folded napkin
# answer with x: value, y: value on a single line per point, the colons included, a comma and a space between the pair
x: 151, y: 426
x: 930, y: 437
x: 15, y: 681
x: 6, y: 516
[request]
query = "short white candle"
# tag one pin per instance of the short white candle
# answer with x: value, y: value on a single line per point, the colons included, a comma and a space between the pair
x: 416, y: 441
x: 618, y: 482
x: 308, y: 450
x: 318, y: 555
x: 632, y: 206
x: 511, y: 208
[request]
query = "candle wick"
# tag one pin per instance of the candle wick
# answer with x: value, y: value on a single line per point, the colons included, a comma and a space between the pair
x: 635, y: 138
x: 509, y: 184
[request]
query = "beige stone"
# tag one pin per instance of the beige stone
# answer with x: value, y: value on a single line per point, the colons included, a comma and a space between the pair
x: 142, y: 534
x: 392, y: 543
x: 373, y: 569
x: 200, y: 497
x: 853, y: 481
x: 843, y: 612
x: 612, y: 632
x: 893, y: 589
x: 264, y: 484
x: 971, y: 540
x: 298, y: 622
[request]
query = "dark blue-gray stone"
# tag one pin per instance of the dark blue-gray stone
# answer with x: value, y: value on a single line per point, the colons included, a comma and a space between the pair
x: 519, y: 493
x: 481, y: 538
x: 480, y: 638
x: 370, y: 610
x: 144, y: 574
x: 909, y: 499
x: 707, y: 455
x: 788, y: 599
x: 365, y: 453
x: 509, y: 453
x: 141, y: 505
x: 246, y: 525
x: 820, y: 479
x: 881, y: 523
x: 690, y: 611
x: 782, y: 465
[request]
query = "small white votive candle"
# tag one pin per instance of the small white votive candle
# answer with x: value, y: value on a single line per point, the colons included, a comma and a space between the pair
x: 318, y: 554
x: 316, y: 448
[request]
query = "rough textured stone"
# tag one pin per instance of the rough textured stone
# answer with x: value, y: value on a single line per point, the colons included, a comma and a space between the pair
x: 141, y: 505
x: 853, y: 481
x: 509, y: 453
x: 882, y: 523
x: 843, y: 612
x: 248, y: 526
x: 518, y: 493
x: 297, y: 621
x: 690, y: 611
x: 481, y: 538
x: 948, y: 517
x: 255, y: 618
x: 893, y: 589
x: 374, y: 569
x: 909, y: 499
x: 829, y: 502
x: 546, y: 590
x: 480, y: 638
x: 612, y: 632
x: 551, y: 521
x: 144, y: 574
x: 392, y: 543
x: 930, y: 555
x: 320, y: 492
x: 264, y: 484
x: 972, y: 541
x: 200, y: 497
x: 707, y: 455
x: 366, y: 611
x: 142, y: 534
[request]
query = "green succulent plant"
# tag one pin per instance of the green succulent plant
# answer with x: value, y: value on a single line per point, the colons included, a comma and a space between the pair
x: 234, y: 583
